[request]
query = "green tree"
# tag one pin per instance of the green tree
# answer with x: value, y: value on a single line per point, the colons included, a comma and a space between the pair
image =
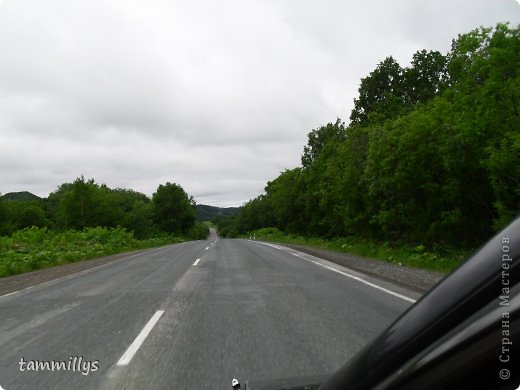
x: 173, y: 210
x: 84, y: 203
x: 285, y: 200
x: 20, y: 214
x: 5, y: 227
x: 381, y: 94
x: 78, y: 204
x: 33, y: 215
x: 426, y: 77
x: 318, y: 138
x: 52, y: 206
x: 139, y: 219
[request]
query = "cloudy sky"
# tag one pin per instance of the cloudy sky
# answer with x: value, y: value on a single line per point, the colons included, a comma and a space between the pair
x: 217, y: 96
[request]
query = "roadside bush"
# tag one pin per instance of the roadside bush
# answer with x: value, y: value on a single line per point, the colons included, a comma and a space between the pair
x: 199, y: 231
x: 36, y: 248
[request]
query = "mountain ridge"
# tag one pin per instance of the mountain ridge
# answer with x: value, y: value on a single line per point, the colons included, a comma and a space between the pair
x: 207, y: 213
x: 21, y: 195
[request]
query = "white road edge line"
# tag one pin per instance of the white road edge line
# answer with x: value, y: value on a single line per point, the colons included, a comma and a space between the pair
x: 404, y: 297
x: 132, y: 349
x: 196, y: 262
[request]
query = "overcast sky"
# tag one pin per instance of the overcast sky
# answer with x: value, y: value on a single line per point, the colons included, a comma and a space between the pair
x: 217, y: 96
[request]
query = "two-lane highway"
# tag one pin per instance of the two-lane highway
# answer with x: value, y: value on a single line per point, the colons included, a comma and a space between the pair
x: 193, y: 316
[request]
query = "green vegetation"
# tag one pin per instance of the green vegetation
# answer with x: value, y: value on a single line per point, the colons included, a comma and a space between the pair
x: 36, y: 248
x: 429, y: 160
x: 173, y: 210
x: 83, y: 219
x: 440, y: 260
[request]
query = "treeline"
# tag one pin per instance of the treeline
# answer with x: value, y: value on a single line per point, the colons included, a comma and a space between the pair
x: 431, y: 154
x: 85, y: 203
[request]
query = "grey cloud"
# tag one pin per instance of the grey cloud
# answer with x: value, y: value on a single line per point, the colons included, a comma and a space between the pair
x: 433, y: 24
x: 217, y: 96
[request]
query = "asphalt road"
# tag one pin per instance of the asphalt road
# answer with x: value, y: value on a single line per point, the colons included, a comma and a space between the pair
x: 212, y: 310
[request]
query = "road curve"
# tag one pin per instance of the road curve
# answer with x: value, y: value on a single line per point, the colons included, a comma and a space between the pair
x: 193, y: 316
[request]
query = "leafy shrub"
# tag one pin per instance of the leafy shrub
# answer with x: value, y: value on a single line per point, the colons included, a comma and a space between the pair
x: 36, y: 248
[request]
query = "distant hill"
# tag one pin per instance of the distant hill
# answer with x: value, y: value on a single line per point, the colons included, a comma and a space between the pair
x: 207, y: 213
x: 23, y: 195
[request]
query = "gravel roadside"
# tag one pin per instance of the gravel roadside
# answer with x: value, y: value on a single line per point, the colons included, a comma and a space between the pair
x: 415, y: 279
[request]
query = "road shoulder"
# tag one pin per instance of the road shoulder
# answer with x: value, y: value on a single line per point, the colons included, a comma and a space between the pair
x: 9, y: 284
x: 415, y: 279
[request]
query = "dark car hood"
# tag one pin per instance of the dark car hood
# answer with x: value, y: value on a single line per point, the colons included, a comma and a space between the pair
x: 291, y: 383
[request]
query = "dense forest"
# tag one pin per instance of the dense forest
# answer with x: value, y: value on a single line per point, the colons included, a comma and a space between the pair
x: 85, y: 204
x: 431, y: 154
